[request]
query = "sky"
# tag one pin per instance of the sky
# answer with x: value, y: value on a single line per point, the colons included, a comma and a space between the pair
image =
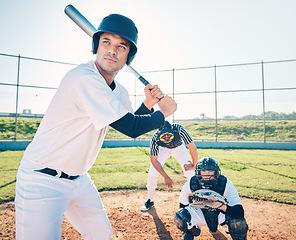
x: 173, y: 34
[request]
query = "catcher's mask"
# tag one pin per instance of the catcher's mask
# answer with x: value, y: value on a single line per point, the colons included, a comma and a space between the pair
x: 119, y: 25
x: 204, y: 164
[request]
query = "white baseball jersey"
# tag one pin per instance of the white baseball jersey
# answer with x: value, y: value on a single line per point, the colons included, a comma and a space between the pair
x: 74, y: 126
x: 197, y: 217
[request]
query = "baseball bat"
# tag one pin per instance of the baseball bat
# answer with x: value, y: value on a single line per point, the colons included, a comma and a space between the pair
x: 88, y: 28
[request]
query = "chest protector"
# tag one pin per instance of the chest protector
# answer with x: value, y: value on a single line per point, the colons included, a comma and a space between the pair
x: 211, y: 216
x: 169, y: 138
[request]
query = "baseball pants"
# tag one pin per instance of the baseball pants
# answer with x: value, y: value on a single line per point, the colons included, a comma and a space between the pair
x: 197, y: 218
x: 42, y: 200
x: 180, y: 153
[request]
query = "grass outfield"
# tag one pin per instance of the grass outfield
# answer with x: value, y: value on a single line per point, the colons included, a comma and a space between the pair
x: 258, y: 174
x: 244, y: 130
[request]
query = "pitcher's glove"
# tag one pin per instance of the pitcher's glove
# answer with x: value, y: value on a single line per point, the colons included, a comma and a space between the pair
x: 206, y: 199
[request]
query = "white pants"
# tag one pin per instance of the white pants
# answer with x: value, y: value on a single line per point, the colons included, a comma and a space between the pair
x: 42, y: 200
x: 182, y: 156
x: 198, y: 219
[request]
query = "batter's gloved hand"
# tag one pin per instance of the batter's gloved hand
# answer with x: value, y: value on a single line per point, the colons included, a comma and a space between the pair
x: 206, y: 199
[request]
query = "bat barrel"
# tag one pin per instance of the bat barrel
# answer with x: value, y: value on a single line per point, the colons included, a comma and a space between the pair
x: 80, y: 20
x: 88, y: 28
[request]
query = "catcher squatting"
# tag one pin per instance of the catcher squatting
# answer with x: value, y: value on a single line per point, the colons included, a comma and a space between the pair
x: 209, y: 198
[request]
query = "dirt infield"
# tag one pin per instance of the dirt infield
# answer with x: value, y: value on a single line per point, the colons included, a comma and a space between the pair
x: 267, y: 220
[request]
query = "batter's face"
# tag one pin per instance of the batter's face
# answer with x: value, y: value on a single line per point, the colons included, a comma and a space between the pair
x: 207, y: 174
x: 111, y: 55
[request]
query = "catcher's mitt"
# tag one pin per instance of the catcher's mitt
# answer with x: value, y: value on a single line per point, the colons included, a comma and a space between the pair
x: 206, y: 199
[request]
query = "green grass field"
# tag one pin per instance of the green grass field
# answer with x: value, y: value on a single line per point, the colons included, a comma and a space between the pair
x: 258, y: 174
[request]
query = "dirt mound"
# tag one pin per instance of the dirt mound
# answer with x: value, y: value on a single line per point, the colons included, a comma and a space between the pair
x: 266, y: 220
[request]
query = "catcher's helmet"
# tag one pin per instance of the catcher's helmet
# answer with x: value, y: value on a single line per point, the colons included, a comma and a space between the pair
x: 208, y: 163
x: 119, y: 25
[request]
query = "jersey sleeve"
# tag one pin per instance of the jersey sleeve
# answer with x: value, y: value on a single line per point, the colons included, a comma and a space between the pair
x: 123, y: 96
x: 135, y: 125
x: 231, y: 194
x: 142, y: 110
x: 185, y: 192
x: 154, y: 147
x: 94, y: 97
x: 183, y: 134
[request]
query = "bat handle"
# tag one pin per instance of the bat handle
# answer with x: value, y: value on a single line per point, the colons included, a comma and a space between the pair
x: 141, y: 78
x: 137, y: 75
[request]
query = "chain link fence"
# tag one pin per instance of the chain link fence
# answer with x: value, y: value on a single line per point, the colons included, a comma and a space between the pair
x: 235, y: 102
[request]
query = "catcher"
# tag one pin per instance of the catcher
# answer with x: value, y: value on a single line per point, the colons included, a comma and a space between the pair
x: 209, y: 198
x: 170, y: 140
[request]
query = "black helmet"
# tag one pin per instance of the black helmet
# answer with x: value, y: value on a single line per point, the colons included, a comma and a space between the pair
x: 119, y: 25
x: 208, y: 163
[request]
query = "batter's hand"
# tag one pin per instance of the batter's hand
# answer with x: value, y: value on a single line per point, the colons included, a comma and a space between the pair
x: 156, y: 92
x: 189, y: 166
x: 153, y: 95
x: 167, y: 106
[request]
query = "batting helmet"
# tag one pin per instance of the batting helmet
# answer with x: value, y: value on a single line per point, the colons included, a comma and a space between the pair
x: 119, y: 25
x: 208, y: 163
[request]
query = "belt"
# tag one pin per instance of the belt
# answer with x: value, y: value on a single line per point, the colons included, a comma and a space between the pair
x: 54, y: 173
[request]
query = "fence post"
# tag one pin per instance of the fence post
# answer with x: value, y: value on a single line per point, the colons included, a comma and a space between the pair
x: 216, y: 107
x: 263, y: 102
x: 17, y: 92
x: 173, y: 91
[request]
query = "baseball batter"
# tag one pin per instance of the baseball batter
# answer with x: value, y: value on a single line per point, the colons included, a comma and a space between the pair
x: 189, y: 220
x: 170, y: 140
x: 52, y: 179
